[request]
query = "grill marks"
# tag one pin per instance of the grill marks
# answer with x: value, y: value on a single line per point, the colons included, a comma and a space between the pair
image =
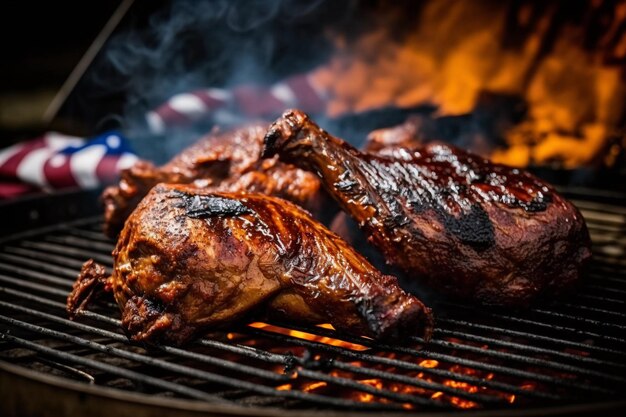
x: 474, y: 230
x: 535, y: 355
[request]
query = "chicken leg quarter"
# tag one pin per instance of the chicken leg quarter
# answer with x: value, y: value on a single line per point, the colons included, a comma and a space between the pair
x: 470, y: 228
x: 189, y: 260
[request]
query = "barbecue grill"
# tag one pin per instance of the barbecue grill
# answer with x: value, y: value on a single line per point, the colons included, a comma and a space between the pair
x: 564, y: 357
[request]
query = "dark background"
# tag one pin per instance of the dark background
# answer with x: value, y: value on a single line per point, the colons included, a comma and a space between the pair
x: 42, y: 41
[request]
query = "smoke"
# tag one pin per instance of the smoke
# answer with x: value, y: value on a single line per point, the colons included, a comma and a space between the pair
x: 198, y: 44
x: 192, y: 44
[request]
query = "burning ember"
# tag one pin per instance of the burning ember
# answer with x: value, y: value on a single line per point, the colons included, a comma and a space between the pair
x: 309, y: 336
x: 422, y: 382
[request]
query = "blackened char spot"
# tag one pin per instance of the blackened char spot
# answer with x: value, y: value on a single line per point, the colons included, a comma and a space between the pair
x: 204, y: 206
x: 473, y: 228
x: 538, y: 203
x: 140, y: 313
x: 396, y: 220
x: 270, y: 147
x: 153, y: 307
x: 534, y: 205
x: 345, y: 185
x: 370, y: 311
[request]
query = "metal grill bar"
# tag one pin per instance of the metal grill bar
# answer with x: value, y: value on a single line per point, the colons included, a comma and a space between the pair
x: 54, y: 269
x: 503, y: 370
x: 67, y: 250
x: 122, y: 339
x: 531, y: 349
x: 601, y: 299
x: 616, y: 291
x: 166, y: 365
x: 526, y: 321
x: 274, y: 358
x: 87, y: 234
x: 40, y: 276
x: 115, y: 370
x: 32, y: 286
x: 400, y: 364
x: 607, y: 279
x: 532, y: 336
x: 595, y: 310
x: 445, y: 343
x: 80, y: 242
x: 416, y: 382
x: 58, y: 259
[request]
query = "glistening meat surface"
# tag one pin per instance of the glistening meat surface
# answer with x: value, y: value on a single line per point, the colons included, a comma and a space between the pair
x: 220, y: 161
x: 189, y: 260
x: 470, y: 228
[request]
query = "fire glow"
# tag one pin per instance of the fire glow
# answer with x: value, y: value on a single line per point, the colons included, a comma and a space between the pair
x: 309, y: 336
x: 574, y: 93
x: 325, y: 388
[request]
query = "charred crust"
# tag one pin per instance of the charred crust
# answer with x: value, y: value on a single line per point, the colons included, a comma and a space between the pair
x: 473, y: 228
x: 91, y: 280
x: 199, y: 206
x: 139, y: 317
x: 396, y: 316
x: 270, y: 147
x: 284, y: 130
x: 148, y: 321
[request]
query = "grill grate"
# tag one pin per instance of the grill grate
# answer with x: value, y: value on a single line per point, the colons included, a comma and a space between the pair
x: 566, y: 352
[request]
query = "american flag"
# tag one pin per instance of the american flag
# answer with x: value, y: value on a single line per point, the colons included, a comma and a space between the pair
x: 248, y: 100
x: 54, y: 160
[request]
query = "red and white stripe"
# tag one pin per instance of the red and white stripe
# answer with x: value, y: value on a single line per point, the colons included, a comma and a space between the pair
x: 248, y: 100
x: 39, y: 164
x: 26, y: 161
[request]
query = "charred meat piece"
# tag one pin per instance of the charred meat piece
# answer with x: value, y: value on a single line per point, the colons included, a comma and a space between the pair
x: 189, y: 260
x: 470, y: 228
x: 227, y: 161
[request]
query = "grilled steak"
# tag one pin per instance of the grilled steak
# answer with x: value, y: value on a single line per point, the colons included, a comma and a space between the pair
x: 470, y: 228
x: 189, y: 260
x: 226, y: 161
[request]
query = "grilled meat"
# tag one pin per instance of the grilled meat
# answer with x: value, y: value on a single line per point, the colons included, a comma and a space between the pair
x: 227, y: 161
x: 380, y: 141
x: 189, y: 260
x: 407, y: 135
x: 470, y: 228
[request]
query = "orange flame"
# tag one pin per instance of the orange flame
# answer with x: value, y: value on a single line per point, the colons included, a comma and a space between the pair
x: 314, y: 386
x: 309, y: 336
x: 429, y: 363
x: 576, y: 98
